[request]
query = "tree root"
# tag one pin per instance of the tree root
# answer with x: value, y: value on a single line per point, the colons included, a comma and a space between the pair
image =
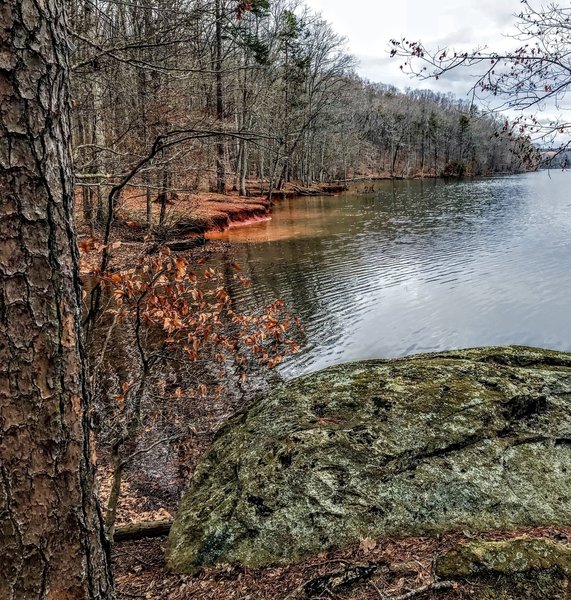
x: 352, y: 574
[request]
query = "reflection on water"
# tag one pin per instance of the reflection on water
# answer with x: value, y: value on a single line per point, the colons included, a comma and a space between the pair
x: 417, y: 266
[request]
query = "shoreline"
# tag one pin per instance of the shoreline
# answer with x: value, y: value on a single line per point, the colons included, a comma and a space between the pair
x: 216, y: 213
x: 191, y: 217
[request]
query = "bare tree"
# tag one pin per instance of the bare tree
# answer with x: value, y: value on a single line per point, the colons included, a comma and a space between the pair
x: 271, y: 68
x: 534, y: 76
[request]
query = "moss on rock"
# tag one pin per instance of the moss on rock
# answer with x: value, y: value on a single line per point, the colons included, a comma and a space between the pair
x: 520, y: 567
x: 475, y: 439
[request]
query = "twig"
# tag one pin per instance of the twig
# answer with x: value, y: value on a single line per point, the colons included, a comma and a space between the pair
x: 139, y: 560
x: 173, y: 438
x: 437, y: 585
x: 374, y: 585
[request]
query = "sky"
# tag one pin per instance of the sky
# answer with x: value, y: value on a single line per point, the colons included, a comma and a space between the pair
x: 368, y: 26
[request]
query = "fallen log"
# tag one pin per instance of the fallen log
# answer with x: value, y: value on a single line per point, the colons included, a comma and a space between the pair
x: 142, y: 529
x: 177, y: 245
x: 185, y: 244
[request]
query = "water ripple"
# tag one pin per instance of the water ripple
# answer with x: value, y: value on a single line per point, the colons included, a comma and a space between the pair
x: 418, y: 266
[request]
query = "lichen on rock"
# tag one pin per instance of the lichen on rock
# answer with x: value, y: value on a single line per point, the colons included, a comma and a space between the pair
x: 505, y: 557
x: 475, y: 439
x: 528, y: 567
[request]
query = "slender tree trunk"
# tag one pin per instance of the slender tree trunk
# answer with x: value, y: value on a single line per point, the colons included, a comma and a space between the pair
x: 149, y: 198
x: 86, y: 194
x: 52, y: 544
x: 163, y: 195
x: 243, y: 168
x: 98, y: 142
x: 86, y: 207
x: 143, y: 84
x: 395, y: 156
x: 220, y: 150
x: 261, y: 166
x: 237, y: 172
x: 322, y: 160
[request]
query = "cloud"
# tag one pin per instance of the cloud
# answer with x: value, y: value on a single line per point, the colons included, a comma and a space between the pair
x: 369, y: 25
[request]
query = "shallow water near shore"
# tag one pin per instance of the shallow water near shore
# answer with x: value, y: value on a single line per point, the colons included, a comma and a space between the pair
x: 417, y: 266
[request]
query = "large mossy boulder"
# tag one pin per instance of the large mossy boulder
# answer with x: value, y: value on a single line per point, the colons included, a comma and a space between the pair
x: 475, y: 439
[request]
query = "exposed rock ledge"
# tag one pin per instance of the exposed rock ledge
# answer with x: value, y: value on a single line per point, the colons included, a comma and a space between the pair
x: 472, y: 440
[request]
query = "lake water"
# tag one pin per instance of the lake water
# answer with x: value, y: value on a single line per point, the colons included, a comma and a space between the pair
x: 417, y: 266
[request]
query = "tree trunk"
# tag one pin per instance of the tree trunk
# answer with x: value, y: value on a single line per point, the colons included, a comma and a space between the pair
x: 243, y: 168
x: 394, y: 163
x: 220, y: 149
x: 163, y: 194
x: 52, y: 544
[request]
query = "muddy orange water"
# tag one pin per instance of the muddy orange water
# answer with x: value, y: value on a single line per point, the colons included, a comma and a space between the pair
x: 416, y: 266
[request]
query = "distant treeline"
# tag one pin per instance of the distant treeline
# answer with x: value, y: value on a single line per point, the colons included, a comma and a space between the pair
x: 196, y: 94
x: 555, y: 159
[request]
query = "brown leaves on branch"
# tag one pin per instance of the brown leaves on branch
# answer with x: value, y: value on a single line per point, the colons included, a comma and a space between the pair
x: 242, y: 7
x: 191, y: 316
x: 524, y: 78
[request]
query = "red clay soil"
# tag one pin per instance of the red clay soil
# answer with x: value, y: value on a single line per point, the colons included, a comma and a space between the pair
x: 188, y: 214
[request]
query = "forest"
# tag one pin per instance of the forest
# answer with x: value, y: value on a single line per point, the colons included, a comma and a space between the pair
x: 220, y: 96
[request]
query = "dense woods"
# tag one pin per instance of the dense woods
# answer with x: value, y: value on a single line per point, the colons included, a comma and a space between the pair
x: 189, y: 95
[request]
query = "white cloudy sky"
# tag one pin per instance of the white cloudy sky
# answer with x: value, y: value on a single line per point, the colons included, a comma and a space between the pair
x: 370, y: 24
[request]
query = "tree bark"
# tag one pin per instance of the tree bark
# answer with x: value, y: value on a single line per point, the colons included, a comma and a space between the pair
x: 52, y: 544
x: 220, y: 146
